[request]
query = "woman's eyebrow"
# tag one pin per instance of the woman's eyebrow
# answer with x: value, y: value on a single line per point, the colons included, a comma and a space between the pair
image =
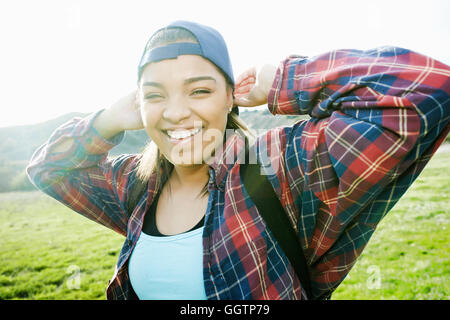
x: 187, y: 81
x: 153, y: 84
x: 194, y: 79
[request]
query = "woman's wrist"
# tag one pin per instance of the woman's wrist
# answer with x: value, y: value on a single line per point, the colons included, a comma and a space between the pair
x: 253, y: 86
x: 106, y: 124
x: 266, y: 77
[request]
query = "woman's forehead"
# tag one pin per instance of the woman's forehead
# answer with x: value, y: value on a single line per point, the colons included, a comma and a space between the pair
x: 182, y: 67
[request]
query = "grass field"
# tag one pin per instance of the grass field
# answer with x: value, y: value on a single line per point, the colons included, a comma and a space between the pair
x: 49, y: 252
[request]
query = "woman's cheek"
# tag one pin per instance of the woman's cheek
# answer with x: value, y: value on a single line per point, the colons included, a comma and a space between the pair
x: 149, y: 118
x: 144, y: 114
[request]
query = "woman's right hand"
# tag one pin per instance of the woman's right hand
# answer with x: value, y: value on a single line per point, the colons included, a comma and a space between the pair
x: 122, y: 115
x: 253, y: 86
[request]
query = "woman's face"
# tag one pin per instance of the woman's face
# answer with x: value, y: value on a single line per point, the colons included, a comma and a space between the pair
x: 184, y: 106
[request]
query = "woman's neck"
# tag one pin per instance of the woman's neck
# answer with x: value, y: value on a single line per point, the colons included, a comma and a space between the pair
x: 193, y: 177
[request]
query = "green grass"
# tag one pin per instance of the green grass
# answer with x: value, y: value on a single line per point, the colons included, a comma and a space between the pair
x: 408, y: 255
x: 45, y: 248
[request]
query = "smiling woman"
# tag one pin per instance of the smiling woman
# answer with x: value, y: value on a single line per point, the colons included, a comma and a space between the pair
x: 175, y: 103
x: 377, y: 117
x: 209, y: 93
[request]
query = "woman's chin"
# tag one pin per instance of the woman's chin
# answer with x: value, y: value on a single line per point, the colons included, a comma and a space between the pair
x: 187, y: 161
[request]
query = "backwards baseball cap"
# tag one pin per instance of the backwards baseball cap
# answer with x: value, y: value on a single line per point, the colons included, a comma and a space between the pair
x: 210, y: 45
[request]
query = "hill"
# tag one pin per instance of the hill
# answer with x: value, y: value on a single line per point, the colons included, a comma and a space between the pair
x: 18, y: 143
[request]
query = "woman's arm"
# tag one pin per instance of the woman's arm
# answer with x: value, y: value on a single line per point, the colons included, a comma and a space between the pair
x: 377, y: 116
x: 73, y: 167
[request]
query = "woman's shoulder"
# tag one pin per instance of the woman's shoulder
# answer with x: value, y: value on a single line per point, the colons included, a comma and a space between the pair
x: 123, y: 164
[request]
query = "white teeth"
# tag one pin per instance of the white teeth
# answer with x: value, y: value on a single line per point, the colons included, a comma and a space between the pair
x: 182, y: 134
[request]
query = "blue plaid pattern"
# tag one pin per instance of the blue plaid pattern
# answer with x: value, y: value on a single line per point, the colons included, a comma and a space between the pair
x: 377, y: 117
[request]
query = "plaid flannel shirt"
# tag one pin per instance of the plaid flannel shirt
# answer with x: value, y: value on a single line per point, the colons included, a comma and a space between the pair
x: 377, y: 117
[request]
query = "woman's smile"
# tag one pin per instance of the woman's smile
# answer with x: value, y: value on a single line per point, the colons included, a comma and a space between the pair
x: 182, y: 136
x: 184, y: 105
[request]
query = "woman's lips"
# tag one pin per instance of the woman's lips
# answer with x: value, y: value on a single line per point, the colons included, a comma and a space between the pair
x: 186, y: 140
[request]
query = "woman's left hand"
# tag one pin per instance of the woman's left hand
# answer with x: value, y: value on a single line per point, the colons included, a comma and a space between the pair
x: 253, y: 86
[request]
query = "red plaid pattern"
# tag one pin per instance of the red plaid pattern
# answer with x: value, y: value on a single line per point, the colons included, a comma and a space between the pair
x: 377, y: 117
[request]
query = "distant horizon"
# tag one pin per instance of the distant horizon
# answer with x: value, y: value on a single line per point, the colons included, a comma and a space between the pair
x: 87, y: 113
x: 41, y: 121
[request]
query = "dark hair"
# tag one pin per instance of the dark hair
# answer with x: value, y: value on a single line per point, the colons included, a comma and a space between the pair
x: 170, y: 35
x: 152, y: 160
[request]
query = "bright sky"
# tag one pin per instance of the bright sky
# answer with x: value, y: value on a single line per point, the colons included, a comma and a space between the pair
x: 67, y: 55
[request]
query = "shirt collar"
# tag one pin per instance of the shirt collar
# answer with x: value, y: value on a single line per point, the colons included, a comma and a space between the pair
x: 224, y: 159
x: 219, y: 165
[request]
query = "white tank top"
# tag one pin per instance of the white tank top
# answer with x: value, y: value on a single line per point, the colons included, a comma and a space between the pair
x: 169, y: 267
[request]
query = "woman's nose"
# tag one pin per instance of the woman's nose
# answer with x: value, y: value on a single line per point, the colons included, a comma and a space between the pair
x: 176, y: 110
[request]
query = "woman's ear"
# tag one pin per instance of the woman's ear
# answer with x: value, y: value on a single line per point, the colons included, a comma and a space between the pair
x: 230, y: 96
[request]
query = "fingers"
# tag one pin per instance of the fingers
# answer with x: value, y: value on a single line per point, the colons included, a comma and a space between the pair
x: 250, y: 99
x: 245, y: 82
x: 248, y: 92
x: 244, y: 102
x: 242, y: 95
x: 249, y: 73
x: 244, y: 86
x: 251, y: 79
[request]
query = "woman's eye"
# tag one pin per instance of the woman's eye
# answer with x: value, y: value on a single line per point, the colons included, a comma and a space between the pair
x: 152, y: 96
x: 201, y: 91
